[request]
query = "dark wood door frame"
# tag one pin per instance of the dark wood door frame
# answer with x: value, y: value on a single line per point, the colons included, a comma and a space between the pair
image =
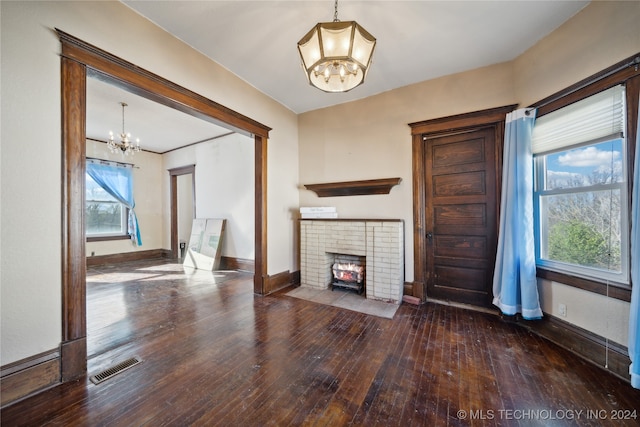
x: 494, y: 117
x: 173, y: 197
x: 78, y: 61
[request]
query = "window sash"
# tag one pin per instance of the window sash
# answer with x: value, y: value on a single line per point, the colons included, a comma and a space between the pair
x: 123, y: 220
x: 540, y: 167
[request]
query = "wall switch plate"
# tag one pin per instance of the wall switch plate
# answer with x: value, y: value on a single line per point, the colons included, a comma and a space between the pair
x: 562, y: 310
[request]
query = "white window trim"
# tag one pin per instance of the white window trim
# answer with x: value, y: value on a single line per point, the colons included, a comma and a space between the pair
x: 573, y: 269
x: 542, y: 146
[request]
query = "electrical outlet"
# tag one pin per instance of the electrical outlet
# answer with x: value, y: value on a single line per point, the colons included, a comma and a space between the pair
x: 562, y: 310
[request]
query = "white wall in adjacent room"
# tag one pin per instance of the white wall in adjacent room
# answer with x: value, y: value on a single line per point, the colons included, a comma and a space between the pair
x: 224, y: 187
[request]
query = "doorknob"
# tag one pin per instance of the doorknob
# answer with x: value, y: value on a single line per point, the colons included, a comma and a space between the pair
x: 429, y: 236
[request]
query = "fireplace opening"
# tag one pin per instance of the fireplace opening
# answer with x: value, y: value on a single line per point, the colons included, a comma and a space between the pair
x: 348, y: 272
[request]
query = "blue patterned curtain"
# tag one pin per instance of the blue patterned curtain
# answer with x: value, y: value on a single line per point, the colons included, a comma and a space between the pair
x: 118, y: 182
x: 515, y: 288
x: 634, y: 315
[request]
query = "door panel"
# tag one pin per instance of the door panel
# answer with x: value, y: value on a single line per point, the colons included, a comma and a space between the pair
x: 460, y: 182
x: 459, y: 153
x: 461, y: 247
x: 458, y: 278
x: 468, y: 214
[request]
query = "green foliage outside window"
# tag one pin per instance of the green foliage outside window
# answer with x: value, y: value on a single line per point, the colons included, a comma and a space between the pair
x: 578, y: 243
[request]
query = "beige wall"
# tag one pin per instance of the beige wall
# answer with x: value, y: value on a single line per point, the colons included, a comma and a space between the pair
x: 370, y: 138
x: 600, y: 35
x: 30, y: 314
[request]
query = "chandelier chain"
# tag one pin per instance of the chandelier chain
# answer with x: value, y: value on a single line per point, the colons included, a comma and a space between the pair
x: 123, y: 105
x: 335, y: 13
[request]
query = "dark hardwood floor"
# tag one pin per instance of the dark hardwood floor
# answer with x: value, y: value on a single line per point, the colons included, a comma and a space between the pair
x: 216, y: 354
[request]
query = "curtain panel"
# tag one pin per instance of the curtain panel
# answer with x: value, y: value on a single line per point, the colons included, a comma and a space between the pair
x: 515, y: 287
x: 634, y: 315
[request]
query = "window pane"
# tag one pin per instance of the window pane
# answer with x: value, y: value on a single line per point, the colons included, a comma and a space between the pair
x: 582, y: 228
x: 104, y: 218
x: 585, y: 166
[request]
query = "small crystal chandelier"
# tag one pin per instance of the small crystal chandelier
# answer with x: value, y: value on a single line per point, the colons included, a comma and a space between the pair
x: 125, y: 146
x: 336, y: 55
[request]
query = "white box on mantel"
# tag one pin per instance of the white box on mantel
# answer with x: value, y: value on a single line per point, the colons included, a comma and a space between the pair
x: 318, y: 212
x: 319, y: 215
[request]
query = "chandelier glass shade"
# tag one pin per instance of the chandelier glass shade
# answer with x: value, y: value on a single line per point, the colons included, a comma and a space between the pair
x: 125, y: 146
x: 336, y: 55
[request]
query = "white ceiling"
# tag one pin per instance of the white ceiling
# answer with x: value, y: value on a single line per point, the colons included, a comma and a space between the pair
x: 416, y: 41
x: 159, y: 128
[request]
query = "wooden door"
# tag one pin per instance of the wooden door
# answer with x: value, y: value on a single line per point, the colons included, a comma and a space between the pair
x: 460, y: 215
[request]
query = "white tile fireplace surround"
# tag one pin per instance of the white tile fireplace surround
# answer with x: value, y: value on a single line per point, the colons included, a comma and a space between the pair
x: 379, y: 242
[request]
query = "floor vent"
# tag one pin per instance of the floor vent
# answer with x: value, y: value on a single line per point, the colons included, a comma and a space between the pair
x: 115, y: 370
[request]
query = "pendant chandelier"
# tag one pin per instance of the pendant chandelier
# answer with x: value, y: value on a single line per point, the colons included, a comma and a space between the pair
x: 336, y: 55
x: 125, y: 146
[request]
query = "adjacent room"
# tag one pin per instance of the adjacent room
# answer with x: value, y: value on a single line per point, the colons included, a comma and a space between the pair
x: 206, y: 169
x: 330, y: 212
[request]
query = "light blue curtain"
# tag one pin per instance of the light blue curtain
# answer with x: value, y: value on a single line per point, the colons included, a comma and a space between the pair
x: 515, y: 288
x: 118, y: 181
x: 634, y: 315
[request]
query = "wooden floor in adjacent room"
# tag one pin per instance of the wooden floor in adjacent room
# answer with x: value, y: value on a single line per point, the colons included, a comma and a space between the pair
x: 216, y: 354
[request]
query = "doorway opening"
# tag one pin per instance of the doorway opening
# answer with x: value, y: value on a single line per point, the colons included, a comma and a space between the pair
x: 78, y: 60
x: 186, y: 211
x: 182, y: 196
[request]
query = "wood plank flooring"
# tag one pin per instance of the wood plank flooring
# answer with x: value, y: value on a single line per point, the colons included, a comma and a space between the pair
x: 216, y: 354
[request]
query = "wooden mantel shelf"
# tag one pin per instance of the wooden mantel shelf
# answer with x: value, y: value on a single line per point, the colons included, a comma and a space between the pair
x: 354, y: 188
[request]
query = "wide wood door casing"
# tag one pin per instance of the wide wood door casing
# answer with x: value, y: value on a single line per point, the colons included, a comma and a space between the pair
x: 460, y: 186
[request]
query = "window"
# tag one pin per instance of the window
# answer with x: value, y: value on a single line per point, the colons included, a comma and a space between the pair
x: 105, y: 216
x: 581, y: 197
